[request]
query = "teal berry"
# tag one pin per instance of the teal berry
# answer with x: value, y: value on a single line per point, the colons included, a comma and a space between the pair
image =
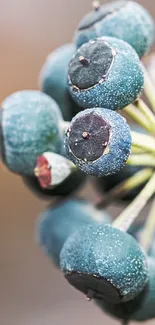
x: 126, y: 20
x: 30, y: 126
x: 105, y: 72
x: 98, y: 141
x: 104, y: 263
x: 57, y: 223
x: 53, y: 79
x: 71, y: 184
x: 139, y: 309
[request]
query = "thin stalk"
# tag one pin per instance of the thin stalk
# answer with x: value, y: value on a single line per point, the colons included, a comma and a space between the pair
x: 127, y: 217
x: 136, y: 150
x: 149, y: 229
x: 141, y: 160
x: 144, y: 109
x: 149, y: 88
x: 143, y: 141
x: 138, y: 116
x: 121, y: 189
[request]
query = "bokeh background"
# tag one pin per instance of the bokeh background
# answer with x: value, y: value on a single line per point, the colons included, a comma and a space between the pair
x: 32, y: 291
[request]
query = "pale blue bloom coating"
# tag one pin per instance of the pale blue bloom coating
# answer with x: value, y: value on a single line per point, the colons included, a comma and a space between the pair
x: 30, y: 126
x: 118, y: 148
x: 142, y: 307
x: 54, y: 76
x: 121, y: 86
x: 57, y: 223
x: 130, y: 22
x: 109, y: 253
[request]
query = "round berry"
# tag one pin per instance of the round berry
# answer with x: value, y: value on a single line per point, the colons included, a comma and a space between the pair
x: 126, y: 20
x: 30, y: 126
x: 139, y: 309
x: 105, y: 72
x: 57, y: 223
x: 53, y: 79
x: 104, y: 262
x: 98, y: 141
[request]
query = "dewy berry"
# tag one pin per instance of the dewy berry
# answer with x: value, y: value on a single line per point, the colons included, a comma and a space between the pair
x: 98, y: 141
x: 31, y: 125
x: 104, y: 262
x: 57, y: 223
x: 126, y: 20
x: 53, y: 79
x: 105, y: 72
x: 139, y: 309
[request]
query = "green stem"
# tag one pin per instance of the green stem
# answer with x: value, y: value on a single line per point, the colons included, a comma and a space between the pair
x: 121, y: 189
x: 149, y: 230
x: 127, y: 217
x: 141, y: 160
x: 149, y: 88
x: 143, y: 141
x: 136, y: 150
x: 138, y: 116
x: 144, y: 109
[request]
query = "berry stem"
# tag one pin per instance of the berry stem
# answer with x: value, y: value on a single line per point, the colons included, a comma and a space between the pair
x: 138, y: 116
x: 141, y: 160
x: 127, y: 217
x: 135, y: 150
x: 130, y: 183
x: 143, y: 141
x: 149, y: 230
x: 149, y: 88
x: 140, y: 104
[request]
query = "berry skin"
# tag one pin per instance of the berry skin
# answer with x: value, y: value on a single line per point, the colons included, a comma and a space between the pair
x: 126, y: 20
x: 71, y: 184
x: 139, y: 309
x: 98, y: 141
x: 105, y: 261
x: 30, y: 126
x: 105, y: 72
x: 53, y: 79
x: 105, y: 184
x: 59, y: 222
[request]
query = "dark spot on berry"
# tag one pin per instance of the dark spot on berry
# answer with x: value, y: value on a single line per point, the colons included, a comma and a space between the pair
x: 100, y: 56
x: 84, y: 60
x: 89, y: 137
x: 101, y: 12
x: 98, y: 287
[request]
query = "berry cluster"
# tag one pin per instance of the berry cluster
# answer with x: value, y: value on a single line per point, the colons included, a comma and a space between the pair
x: 75, y: 126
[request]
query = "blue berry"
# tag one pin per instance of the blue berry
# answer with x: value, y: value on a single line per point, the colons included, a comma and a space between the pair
x: 105, y: 261
x: 57, y: 223
x: 139, y: 309
x: 53, y: 79
x: 30, y: 126
x: 105, y: 72
x: 126, y: 20
x: 98, y: 141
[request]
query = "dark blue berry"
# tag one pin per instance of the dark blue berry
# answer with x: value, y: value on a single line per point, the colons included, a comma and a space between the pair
x: 98, y: 141
x: 126, y: 20
x: 111, y: 78
x: 106, y: 261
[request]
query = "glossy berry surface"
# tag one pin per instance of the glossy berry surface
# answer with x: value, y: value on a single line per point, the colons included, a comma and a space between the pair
x: 53, y: 79
x: 105, y: 72
x: 58, y: 222
x: 71, y: 184
x: 98, y: 141
x: 126, y: 20
x: 106, y: 261
x: 139, y: 309
x: 30, y: 126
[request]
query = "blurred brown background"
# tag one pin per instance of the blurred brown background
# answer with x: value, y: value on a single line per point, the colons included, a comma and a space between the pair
x: 32, y: 291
